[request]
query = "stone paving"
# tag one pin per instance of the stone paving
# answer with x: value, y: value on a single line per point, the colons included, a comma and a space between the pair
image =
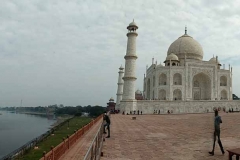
x: 168, y: 137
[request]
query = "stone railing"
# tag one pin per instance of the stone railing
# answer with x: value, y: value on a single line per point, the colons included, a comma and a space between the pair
x: 94, y: 151
x: 59, y: 150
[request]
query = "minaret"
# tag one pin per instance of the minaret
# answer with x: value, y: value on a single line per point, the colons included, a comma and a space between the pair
x: 130, y: 63
x: 120, y: 87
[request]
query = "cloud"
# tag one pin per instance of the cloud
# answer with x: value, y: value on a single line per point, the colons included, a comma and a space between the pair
x: 69, y: 51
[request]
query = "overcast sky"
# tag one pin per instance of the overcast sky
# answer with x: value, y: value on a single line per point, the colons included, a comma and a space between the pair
x: 69, y: 51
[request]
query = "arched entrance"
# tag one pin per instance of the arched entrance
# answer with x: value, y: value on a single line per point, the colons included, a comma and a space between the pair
x: 201, y: 87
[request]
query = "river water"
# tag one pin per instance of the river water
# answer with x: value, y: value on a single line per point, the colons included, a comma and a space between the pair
x: 18, y: 129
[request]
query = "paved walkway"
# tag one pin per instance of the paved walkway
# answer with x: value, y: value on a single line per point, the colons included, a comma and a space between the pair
x: 80, y: 148
x: 167, y: 137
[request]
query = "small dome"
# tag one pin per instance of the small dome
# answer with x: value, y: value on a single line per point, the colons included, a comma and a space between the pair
x: 111, y: 99
x: 213, y: 60
x: 160, y: 64
x: 138, y: 92
x: 172, y: 57
x: 121, y: 68
x: 133, y: 24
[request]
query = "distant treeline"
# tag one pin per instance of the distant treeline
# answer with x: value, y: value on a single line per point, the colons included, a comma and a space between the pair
x: 93, y: 111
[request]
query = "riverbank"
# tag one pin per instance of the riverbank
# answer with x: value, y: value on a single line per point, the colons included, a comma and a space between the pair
x: 60, y: 119
x: 56, y: 137
x: 18, y: 129
x: 37, y: 113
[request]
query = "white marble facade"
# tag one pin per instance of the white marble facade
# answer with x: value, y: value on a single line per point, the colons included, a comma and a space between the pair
x: 184, y: 82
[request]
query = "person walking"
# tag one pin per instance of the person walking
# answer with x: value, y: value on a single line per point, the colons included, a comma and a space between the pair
x: 107, y: 124
x: 217, y: 121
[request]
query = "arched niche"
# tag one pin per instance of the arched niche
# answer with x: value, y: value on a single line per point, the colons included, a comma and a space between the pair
x: 223, y: 81
x: 153, y: 81
x: 177, y: 79
x: 162, y: 79
x: 177, y: 94
x: 162, y: 94
x: 201, y: 89
x: 224, y: 95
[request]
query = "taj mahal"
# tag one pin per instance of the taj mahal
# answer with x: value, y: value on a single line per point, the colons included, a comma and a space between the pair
x: 184, y: 83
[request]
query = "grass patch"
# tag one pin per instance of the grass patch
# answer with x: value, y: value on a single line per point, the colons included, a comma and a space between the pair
x: 74, y: 124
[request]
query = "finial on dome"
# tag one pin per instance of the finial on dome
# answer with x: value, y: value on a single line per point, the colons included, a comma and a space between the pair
x: 133, y: 19
x: 185, y: 29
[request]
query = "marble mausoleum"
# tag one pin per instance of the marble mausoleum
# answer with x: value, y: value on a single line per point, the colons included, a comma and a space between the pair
x: 184, y: 83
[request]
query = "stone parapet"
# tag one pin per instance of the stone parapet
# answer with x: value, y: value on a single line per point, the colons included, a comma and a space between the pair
x: 178, y: 107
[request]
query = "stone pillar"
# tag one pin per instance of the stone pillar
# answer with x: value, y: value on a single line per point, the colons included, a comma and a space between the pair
x: 170, y: 82
x: 120, y: 87
x: 144, y: 87
x: 130, y: 67
x: 230, y: 90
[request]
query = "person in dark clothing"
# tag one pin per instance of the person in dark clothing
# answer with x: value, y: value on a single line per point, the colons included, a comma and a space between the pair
x: 141, y: 112
x: 217, y: 121
x: 108, y: 122
x: 138, y: 112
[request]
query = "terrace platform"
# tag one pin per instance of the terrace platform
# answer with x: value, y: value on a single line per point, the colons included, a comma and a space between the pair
x: 168, y: 137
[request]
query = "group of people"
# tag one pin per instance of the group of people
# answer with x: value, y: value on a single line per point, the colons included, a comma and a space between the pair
x: 133, y: 112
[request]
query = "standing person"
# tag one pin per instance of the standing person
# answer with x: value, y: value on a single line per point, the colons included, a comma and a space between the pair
x: 217, y: 121
x: 108, y: 122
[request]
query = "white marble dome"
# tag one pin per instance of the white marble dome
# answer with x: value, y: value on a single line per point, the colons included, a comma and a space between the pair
x: 186, y: 45
x: 172, y: 57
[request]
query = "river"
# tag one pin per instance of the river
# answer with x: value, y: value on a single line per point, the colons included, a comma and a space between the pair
x: 18, y: 129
